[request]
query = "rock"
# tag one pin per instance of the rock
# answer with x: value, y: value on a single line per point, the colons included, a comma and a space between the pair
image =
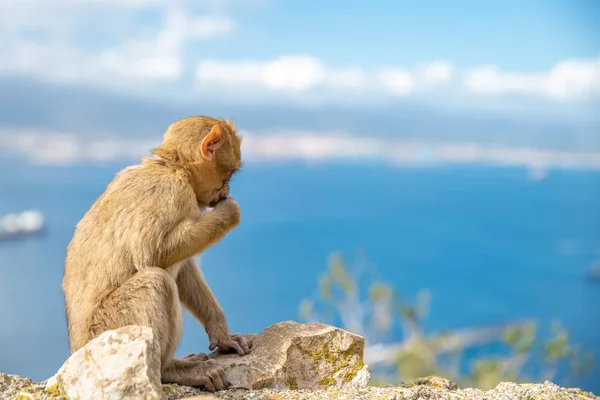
x: 289, y: 355
x: 119, y: 364
x: 288, y: 361
x: 12, y: 385
x: 436, y: 381
x: 429, y: 388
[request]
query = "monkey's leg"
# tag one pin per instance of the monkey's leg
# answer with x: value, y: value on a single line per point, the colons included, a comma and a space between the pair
x: 150, y: 298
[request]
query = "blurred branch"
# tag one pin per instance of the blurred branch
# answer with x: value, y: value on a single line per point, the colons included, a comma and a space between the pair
x: 386, y: 354
x: 371, y: 308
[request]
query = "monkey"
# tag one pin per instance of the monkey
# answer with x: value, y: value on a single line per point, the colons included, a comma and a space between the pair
x: 131, y: 258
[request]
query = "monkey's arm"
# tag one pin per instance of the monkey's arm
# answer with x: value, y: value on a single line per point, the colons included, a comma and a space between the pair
x: 196, y: 296
x: 193, y: 236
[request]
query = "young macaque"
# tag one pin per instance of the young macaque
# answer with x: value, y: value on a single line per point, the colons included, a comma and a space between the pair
x: 131, y: 258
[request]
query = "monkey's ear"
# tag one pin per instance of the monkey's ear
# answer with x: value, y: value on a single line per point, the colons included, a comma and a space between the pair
x: 211, y: 142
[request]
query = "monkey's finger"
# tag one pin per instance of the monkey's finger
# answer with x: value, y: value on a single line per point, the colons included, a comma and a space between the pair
x: 212, y: 346
x: 240, y: 349
x: 224, y: 377
x: 244, y: 345
x: 236, y: 346
x: 218, y: 380
x: 208, y: 383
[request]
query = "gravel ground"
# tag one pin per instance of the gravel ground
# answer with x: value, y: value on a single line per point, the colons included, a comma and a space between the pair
x: 15, y: 387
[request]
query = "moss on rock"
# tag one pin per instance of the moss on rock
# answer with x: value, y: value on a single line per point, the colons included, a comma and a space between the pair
x: 291, y: 383
x: 57, y: 391
x: 343, y: 364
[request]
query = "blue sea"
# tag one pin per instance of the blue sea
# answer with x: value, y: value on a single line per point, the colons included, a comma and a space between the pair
x: 490, y: 244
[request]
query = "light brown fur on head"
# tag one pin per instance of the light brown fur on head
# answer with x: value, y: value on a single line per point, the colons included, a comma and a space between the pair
x: 131, y: 258
x: 192, y: 143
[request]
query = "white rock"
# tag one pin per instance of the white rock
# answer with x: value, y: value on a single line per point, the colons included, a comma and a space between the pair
x: 119, y: 364
x: 289, y: 355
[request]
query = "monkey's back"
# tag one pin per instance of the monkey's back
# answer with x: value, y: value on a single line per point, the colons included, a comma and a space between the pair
x: 123, y: 229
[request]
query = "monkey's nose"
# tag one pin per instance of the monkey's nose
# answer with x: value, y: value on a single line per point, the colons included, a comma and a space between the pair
x: 225, y: 192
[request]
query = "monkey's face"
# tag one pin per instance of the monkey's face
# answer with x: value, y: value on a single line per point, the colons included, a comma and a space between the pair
x: 216, y: 189
x: 211, y: 183
x: 220, y: 159
x: 211, y: 151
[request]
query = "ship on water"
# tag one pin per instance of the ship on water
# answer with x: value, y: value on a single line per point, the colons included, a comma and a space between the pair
x: 21, y: 225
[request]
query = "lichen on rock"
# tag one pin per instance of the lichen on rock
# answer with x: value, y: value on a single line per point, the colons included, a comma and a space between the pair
x: 290, y: 355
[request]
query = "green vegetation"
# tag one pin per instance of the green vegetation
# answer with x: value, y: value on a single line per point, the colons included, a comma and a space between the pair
x: 526, y: 355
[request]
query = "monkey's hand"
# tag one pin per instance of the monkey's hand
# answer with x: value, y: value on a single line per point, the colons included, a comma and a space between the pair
x: 230, y: 343
x: 194, y: 235
x: 229, y: 210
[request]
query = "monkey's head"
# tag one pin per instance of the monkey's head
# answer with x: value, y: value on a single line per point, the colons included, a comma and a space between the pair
x: 209, y: 149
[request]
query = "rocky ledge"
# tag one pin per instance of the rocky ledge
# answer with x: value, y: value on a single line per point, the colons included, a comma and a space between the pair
x: 288, y: 361
x: 430, y: 388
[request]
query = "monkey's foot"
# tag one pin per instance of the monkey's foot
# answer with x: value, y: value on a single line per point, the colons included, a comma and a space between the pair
x: 197, y: 373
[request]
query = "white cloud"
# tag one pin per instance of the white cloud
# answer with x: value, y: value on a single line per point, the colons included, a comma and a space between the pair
x: 573, y: 79
x: 437, y: 72
x: 567, y: 80
x: 348, y: 78
x: 129, y: 4
x: 329, y: 146
x: 59, y: 148
x: 302, y: 73
x: 161, y: 56
x: 294, y: 73
x: 46, y: 39
x: 397, y: 81
x: 139, y: 56
x: 76, y: 3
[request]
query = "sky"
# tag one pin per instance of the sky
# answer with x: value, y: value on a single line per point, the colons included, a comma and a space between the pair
x: 517, y: 60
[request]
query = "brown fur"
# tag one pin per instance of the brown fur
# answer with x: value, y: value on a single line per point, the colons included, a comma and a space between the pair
x: 130, y: 260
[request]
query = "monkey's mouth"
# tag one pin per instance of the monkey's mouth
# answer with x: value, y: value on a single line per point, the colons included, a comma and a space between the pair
x: 221, y: 195
x: 216, y: 201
